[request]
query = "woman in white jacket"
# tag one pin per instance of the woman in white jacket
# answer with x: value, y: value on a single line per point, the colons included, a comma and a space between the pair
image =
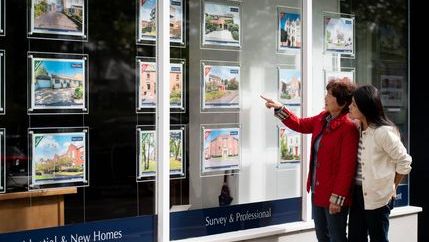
x: 383, y: 162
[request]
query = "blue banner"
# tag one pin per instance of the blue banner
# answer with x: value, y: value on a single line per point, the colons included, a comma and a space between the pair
x: 401, y: 196
x: 202, y: 222
x: 186, y: 224
x: 134, y: 229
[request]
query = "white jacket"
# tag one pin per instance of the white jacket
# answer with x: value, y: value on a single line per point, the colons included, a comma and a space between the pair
x: 382, y: 155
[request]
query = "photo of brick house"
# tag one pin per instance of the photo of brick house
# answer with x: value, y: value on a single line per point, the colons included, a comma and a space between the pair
x: 222, y: 146
x: 221, y: 86
x: 221, y: 22
x: 221, y: 149
x: 147, y: 85
x: 58, y: 157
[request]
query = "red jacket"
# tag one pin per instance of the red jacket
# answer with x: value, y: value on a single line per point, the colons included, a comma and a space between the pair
x: 336, y: 158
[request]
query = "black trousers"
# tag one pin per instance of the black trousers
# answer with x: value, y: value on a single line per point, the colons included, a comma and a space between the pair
x: 362, y: 223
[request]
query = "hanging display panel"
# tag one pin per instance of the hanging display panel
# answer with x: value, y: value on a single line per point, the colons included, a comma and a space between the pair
x: 2, y: 81
x: 2, y: 17
x: 57, y: 83
x: 289, y: 30
x: 63, y: 20
x: 221, y: 148
x: 147, y: 152
x: 391, y: 41
x: 346, y: 74
x: 58, y: 157
x: 339, y: 33
x: 289, y: 144
x: 146, y: 32
x: 221, y: 24
x: 391, y: 91
x: 2, y: 160
x: 220, y: 86
x: 290, y: 85
x: 146, y: 79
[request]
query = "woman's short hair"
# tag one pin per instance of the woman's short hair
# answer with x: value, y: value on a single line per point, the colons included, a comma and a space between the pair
x: 342, y: 90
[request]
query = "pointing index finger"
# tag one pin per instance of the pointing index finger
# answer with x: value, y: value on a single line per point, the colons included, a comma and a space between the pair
x: 266, y: 99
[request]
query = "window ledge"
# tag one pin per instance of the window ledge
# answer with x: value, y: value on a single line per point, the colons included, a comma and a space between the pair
x: 281, y: 229
x: 407, y: 210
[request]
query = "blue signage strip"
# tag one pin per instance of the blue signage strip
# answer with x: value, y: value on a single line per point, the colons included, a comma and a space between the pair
x: 133, y: 229
x: 401, y: 196
x: 184, y: 224
x: 202, y: 222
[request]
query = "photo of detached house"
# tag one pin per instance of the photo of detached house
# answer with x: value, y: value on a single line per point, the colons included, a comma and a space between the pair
x: 339, y: 35
x: 65, y: 17
x: 147, y: 20
x: 290, y: 30
x: 290, y: 86
x: 58, y: 84
x: 221, y: 87
x: 289, y: 146
x: 221, y: 24
x: 221, y: 149
x: 147, y: 85
x: 148, y: 149
x: 58, y: 158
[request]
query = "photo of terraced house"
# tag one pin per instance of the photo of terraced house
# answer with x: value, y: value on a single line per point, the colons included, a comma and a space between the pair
x: 221, y: 85
x: 221, y: 149
x: 147, y: 20
x: 58, y: 158
x: 65, y: 17
x: 147, y: 85
x: 147, y: 153
x: 290, y: 86
x: 221, y: 24
x: 289, y: 145
x: 58, y: 84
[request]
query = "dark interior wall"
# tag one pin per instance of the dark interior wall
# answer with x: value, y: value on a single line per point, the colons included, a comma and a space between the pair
x: 112, y: 119
x: 419, y: 131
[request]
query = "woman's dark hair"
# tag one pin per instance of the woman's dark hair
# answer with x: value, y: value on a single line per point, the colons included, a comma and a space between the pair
x: 342, y: 90
x: 368, y: 101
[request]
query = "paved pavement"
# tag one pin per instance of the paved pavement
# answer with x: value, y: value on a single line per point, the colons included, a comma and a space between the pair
x: 231, y: 97
x: 55, y: 97
x: 55, y: 20
x: 221, y: 35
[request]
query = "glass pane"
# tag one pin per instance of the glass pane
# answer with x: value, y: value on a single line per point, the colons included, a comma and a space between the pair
x: 69, y: 122
x: 377, y: 55
x: 240, y: 157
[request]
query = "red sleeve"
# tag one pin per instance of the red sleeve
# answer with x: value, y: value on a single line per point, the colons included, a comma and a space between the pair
x: 301, y: 125
x: 347, y: 165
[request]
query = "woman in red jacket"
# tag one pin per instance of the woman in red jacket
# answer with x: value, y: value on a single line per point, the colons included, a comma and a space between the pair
x: 334, y: 145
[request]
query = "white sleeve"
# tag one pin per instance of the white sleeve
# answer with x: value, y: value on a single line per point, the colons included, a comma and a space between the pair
x: 387, y: 138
